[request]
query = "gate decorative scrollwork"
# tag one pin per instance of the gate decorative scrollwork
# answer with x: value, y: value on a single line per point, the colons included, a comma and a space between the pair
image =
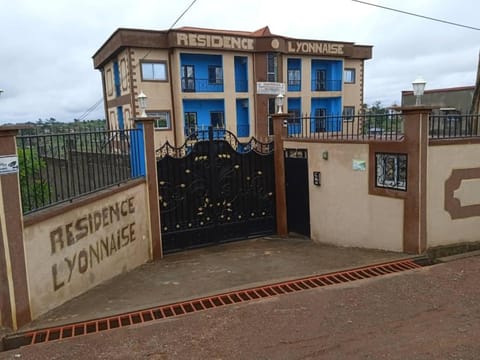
x: 215, y: 189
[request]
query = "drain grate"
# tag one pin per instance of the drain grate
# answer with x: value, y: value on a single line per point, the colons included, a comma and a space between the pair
x: 200, y: 304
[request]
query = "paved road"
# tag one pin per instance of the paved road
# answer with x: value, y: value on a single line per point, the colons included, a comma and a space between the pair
x: 430, y: 313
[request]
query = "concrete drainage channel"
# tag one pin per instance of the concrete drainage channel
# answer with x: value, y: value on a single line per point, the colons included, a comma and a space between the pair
x: 200, y: 304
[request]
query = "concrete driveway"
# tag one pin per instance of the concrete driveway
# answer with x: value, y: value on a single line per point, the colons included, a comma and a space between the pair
x: 209, y: 271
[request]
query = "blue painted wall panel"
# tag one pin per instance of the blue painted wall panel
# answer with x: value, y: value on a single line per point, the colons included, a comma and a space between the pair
x: 295, y: 124
x: 334, y: 74
x: 201, y: 62
x: 243, y: 125
x: 333, y: 107
x: 121, y: 122
x: 241, y: 73
x: 203, y: 109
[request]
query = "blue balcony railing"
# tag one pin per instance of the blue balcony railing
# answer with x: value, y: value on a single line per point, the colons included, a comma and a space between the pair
x: 200, y: 85
x: 326, y: 85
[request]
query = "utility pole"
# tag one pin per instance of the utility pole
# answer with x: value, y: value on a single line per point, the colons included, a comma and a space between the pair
x: 475, y: 109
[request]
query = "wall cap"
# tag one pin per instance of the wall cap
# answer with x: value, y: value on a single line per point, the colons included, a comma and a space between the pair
x: 415, y: 108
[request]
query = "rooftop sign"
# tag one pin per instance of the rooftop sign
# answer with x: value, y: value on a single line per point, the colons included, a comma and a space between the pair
x: 214, y: 41
x: 315, y: 47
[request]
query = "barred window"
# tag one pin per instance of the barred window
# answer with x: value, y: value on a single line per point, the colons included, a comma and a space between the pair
x: 391, y: 171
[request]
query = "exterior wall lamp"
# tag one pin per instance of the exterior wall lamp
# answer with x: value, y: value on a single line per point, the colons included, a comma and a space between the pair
x: 279, y: 103
x: 418, y: 89
x: 142, y: 102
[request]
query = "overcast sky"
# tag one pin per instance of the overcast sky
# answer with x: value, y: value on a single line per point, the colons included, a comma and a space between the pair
x: 46, y: 47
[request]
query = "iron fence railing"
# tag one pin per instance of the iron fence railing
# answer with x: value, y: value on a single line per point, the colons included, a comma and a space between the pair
x: 326, y: 85
x: 363, y: 127
x: 201, y: 85
x: 454, y: 126
x: 56, y: 168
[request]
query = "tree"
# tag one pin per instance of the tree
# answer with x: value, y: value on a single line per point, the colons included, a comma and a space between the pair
x: 33, y: 186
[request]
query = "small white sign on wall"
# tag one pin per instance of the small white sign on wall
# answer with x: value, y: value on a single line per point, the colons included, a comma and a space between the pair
x: 359, y: 165
x: 8, y: 164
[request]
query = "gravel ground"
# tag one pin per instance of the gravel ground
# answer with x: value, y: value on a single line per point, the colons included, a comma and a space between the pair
x: 429, y: 313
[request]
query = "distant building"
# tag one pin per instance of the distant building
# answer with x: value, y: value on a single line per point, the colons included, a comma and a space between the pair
x: 195, y: 78
x: 456, y: 100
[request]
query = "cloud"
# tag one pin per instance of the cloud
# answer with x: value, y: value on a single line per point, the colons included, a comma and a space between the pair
x: 47, y: 70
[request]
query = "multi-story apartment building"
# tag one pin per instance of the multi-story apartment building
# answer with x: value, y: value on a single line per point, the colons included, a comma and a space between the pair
x: 195, y: 78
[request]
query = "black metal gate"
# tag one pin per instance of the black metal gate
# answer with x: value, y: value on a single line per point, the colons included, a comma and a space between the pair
x: 215, y: 189
x: 297, y: 194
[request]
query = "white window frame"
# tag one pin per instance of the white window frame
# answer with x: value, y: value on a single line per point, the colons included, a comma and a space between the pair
x: 161, y: 74
x: 160, y: 115
x: 351, y: 78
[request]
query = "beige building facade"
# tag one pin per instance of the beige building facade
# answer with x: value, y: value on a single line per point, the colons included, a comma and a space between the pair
x: 195, y: 78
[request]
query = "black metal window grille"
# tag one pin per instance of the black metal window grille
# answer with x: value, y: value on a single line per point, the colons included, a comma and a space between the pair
x: 391, y: 171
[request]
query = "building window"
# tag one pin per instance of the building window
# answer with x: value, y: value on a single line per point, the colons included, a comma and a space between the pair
x: 321, y: 80
x: 349, y: 76
x: 215, y: 75
x: 188, y: 78
x: 162, y: 119
x: 272, y: 67
x: 190, y: 123
x: 391, y: 171
x: 320, y: 120
x: 217, y: 119
x: 348, y: 113
x: 154, y: 71
x: 293, y: 78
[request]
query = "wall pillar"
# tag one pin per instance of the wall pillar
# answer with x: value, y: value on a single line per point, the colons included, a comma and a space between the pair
x: 152, y: 185
x: 415, y: 207
x: 279, y: 134
x: 14, y: 296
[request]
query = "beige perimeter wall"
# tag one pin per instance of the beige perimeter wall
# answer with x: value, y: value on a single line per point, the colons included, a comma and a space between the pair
x: 341, y: 210
x: 69, y: 254
x: 441, y: 228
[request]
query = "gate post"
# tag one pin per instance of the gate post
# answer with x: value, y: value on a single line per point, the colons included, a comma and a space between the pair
x: 14, y: 296
x: 146, y: 123
x: 279, y: 133
x: 415, y: 208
